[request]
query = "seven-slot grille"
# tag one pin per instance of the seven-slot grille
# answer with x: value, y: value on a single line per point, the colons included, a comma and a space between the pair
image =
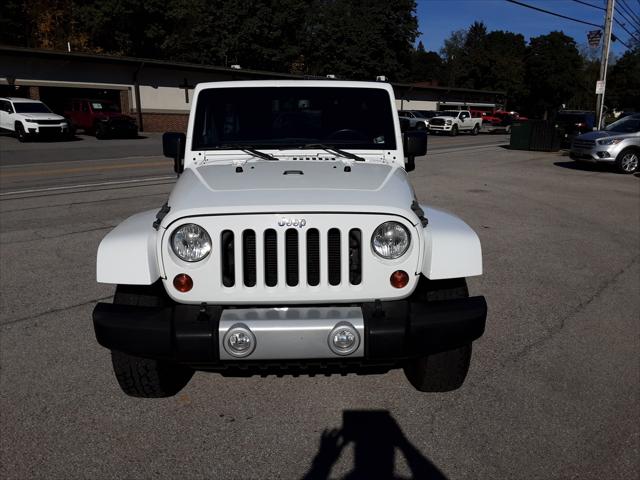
x: 311, y: 257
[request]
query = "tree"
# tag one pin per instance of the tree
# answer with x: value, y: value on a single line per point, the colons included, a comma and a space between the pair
x: 452, y: 53
x: 426, y: 66
x: 553, y: 70
x: 505, y: 54
x: 362, y: 39
x: 623, y: 89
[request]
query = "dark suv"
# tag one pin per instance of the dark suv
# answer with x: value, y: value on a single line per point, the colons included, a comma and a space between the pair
x: 574, y: 123
x: 101, y: 118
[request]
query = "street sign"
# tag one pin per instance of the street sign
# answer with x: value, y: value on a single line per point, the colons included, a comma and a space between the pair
x: 594, y: 37
x: 600, y: 87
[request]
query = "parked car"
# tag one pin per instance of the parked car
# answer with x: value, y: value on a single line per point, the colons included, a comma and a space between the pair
x: 617, y: 144
x: 292, y: 242
x: 574, y: 123
x: 101, y: 118
x: 29, y: 119
x: 454, y: 121
x: 416, y: 119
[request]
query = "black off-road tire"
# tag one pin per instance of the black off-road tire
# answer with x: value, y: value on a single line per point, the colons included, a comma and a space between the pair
x: 101, y: 131
x: 628, y: 161
x: 21, y: 134
x: 144, y: 377
x: 454, y: 130
x: 475, y: 130
x: 443, y: 371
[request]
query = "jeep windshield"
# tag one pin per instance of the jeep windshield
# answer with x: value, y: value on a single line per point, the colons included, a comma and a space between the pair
x: 293, y: 117
x: 31, y: 107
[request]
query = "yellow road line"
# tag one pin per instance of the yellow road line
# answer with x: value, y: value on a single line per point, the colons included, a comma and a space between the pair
x: 62, y: 171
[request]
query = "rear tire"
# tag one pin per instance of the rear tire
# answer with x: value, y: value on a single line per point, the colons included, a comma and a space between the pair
x: 476, y: 130
x: 145, y: 377
x: 421, y: 126
x: 442, y: 371
x: 628, y: 161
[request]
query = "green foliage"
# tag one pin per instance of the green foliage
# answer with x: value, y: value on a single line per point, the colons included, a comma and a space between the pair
x: 553, y: 68
x: 623, y: 85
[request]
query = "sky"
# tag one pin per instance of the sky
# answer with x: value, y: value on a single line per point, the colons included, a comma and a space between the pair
x: 438, y: 18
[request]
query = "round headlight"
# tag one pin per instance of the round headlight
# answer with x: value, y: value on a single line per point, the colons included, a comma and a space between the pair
x: 390, y: 240
x: 191, y: 242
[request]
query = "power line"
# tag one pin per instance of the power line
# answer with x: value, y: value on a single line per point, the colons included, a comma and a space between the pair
x: 625, y: 29
x: 625, y: 8
x: 590, y: 5
x: 516, y: 2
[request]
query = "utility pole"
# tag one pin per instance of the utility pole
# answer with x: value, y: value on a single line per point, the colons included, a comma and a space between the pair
x: 604, y: 61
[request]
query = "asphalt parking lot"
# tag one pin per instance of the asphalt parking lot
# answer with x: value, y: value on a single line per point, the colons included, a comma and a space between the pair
x: 554, y: 386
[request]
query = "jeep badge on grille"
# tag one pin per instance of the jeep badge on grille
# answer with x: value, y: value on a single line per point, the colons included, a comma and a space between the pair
x: 292, y: 222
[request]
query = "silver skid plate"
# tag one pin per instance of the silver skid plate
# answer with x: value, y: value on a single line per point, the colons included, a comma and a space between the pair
x: 291, y: 333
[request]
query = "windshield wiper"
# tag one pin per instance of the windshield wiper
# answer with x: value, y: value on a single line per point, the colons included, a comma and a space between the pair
x: 330, y: 149
x: 248, y: 149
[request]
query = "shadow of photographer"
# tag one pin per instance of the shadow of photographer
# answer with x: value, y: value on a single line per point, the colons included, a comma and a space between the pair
x: 375, y: 436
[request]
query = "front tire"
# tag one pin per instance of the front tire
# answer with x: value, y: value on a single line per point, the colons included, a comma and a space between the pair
x: 442, y: 371
x: 101, y: 131
x: 21, y: 134
x: 145, y: 377
x: 628, y: 161
x: 454, y: 131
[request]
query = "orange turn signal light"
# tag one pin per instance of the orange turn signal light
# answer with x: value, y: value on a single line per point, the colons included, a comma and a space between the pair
x: 399, y: 279
x: 183, y: 282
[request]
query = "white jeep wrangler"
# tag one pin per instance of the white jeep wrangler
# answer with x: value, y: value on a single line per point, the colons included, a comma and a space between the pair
x: 292, y: 243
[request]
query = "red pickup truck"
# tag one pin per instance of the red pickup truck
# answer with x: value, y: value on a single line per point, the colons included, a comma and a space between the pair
x: 101, y: 118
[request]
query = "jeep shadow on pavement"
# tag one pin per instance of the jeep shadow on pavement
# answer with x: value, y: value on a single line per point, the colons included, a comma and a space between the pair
x: 292, y: 243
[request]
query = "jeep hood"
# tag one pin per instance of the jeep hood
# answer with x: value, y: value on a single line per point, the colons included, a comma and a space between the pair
x: 281, y: 186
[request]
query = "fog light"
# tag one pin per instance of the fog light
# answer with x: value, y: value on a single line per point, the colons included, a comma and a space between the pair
x: 239, y: 341
x: 183, y: 282
x: 399, y: 279
x: 344, y: 339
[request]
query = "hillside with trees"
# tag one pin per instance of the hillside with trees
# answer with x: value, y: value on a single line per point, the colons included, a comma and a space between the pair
x: 356, y: 39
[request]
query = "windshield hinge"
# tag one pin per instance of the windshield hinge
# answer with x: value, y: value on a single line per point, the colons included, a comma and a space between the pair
x: 160, y: 215
x: 417, y: 209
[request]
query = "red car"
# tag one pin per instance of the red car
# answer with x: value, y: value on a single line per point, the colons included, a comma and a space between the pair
x: 101, y: 118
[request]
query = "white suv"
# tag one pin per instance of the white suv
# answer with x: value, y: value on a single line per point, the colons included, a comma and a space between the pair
x: 30, y: 118
x: 292, y: 242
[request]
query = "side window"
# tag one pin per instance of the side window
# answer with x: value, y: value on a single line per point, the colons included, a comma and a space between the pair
x: 4, y: 106
x: 85, y: 107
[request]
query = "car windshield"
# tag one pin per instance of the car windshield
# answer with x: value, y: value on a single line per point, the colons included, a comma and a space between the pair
x: 104, y: 107
x: 31, y: 107
x: 448, y: 113
x: 289, y: 117
x: 625, y: 125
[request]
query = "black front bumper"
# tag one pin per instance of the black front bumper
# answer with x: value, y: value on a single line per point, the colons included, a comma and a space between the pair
x: 188, y: 334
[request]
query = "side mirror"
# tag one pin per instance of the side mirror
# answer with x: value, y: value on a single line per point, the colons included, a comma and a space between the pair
x: 414, y: 144
x: 173, y: 144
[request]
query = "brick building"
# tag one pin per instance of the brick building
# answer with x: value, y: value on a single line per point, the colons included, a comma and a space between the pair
x: 159, y: 93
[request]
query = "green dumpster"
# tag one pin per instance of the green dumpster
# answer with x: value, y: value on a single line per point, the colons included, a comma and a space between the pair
x: 520, y: 135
